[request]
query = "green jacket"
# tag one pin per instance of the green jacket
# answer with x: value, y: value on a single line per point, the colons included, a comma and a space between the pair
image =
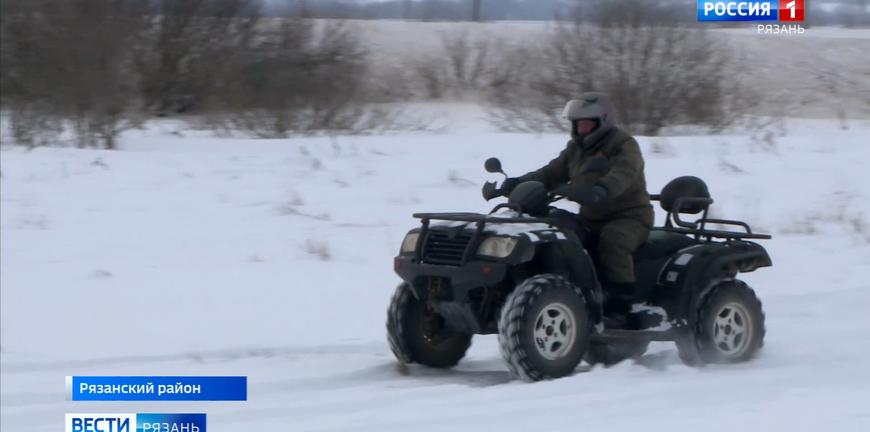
x: 624, y: 179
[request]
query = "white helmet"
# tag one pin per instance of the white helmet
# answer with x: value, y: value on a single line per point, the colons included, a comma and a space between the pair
x: 589, y: 106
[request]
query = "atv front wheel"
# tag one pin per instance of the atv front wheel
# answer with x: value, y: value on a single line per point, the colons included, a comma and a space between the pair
x: 729, y: 327
x: 419, y: 335
x: 544, y: 328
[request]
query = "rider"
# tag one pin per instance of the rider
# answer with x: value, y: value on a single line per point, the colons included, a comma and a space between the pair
x: 615, y: 202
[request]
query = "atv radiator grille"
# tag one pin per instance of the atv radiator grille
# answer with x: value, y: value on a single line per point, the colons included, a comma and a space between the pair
x: 445, y: 247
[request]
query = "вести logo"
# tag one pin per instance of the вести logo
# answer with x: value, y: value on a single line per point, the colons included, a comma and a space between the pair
x: 105, y: 422
x: 139, y: 422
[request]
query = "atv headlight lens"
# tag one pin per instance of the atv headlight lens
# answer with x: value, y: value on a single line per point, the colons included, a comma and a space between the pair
x: 410, y: 242
x: 497, y: 247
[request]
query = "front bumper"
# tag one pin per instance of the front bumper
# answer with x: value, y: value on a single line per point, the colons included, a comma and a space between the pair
x: 462, y: 279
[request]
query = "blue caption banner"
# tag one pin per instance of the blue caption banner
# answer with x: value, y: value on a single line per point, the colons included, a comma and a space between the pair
x: 157, y: 388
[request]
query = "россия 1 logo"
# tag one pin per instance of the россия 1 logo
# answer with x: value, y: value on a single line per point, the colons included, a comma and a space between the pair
x: 751, y: 10
x: 791, y: 10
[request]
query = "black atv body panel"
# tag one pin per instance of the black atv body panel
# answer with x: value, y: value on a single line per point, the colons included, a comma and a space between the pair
x: 445, y: 271
x: 694, y: 271
x: 679, y: 281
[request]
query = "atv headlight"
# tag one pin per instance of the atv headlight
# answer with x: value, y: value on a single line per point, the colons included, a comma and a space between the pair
x: 497, y: 247
x: 410, y: 242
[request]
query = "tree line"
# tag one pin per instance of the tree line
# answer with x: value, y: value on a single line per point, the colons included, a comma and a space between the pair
x: 99, y: 67
x: 91, y: 69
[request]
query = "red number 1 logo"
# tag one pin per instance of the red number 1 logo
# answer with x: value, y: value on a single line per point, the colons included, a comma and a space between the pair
x: 791, y: 10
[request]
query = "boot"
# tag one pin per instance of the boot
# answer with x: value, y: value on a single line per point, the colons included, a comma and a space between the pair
x: 618, y: 298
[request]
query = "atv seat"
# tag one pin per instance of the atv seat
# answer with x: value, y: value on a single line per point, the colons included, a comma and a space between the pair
x: 661, y: 244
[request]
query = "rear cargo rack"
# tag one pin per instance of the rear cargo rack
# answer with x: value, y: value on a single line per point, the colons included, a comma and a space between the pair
x: 698, y: 228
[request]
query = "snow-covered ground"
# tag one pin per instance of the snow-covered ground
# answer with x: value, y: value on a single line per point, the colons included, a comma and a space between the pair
x: 273, y: 259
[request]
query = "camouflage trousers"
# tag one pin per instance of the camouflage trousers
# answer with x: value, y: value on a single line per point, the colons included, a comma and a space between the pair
x: 618, y: 239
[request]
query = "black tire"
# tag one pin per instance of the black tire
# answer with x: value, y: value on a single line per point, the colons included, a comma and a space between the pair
x: 545, y: 296
x: 729, y: 327
x: 611, y: 353
x: 418, y: 335
x: 687, y: 350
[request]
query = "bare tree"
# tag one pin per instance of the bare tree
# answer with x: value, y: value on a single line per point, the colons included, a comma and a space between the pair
x: 304, y: 79
x: 466, y: 67
x: 160, y: 57
x: 187, y: 43
x: 24, y: 80
x: 62, y: 68
x: 475, y: 10
x: 406, y: 9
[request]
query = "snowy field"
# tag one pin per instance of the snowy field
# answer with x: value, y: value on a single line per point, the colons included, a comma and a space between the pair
x: 187, y: 254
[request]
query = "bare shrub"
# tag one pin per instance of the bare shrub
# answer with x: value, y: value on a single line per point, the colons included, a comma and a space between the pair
x: 296, y: 199
x: 840, y: 211
x: 37, y: 221
x: 763, y: 133
x: 454, y: 178
x: 469, y: 68
x: 831, y: 79
x: 294, y: 207
x: 187, y: 43
x: 728, y: 167
x: 171, y: 56
x: 101, y: 274
x: 860, y: 225
x: 31, y: 125
x: 60, y: 71
x: 303, y: 79
x: 466, y: 61
x: 800, y: 227
x: 318, y: 249
x: 657, y: 71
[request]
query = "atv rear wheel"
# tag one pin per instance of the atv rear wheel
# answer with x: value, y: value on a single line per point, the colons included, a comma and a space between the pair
x: 611, y: 353
x: 419, y: 335
x: 543, y: 329
x: 729, y: 327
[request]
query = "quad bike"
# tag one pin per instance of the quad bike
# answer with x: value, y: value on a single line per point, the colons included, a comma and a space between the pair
x: 526, y: 272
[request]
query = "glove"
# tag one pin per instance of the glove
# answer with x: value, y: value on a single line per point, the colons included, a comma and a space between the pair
x: 583, y: 194
x: 598, y: 194
x: 508, y: 185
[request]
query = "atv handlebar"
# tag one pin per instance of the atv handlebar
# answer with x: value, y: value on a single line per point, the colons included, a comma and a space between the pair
x: 493, y: 165
x: 490, y: 192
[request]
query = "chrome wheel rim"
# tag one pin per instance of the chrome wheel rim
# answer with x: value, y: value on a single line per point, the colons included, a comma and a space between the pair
x: 732, y: 330
x: 555, y: 331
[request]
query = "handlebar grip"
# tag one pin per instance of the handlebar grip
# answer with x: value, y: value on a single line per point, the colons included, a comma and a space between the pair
x: 489, y: 191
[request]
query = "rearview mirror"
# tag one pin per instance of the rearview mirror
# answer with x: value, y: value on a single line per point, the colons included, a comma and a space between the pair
x: 597, y: 164
x: 493, y: 165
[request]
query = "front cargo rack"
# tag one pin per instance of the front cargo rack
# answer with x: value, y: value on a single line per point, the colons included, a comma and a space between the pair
x: 458, y: 249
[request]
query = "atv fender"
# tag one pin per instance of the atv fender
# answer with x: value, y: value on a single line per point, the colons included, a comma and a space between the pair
x: 568, y: 257
x: 695, y: 270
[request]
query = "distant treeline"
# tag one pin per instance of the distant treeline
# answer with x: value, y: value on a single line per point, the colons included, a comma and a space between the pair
x: 831, y: 12
x: 426, y: 10
x: 83, y: 71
